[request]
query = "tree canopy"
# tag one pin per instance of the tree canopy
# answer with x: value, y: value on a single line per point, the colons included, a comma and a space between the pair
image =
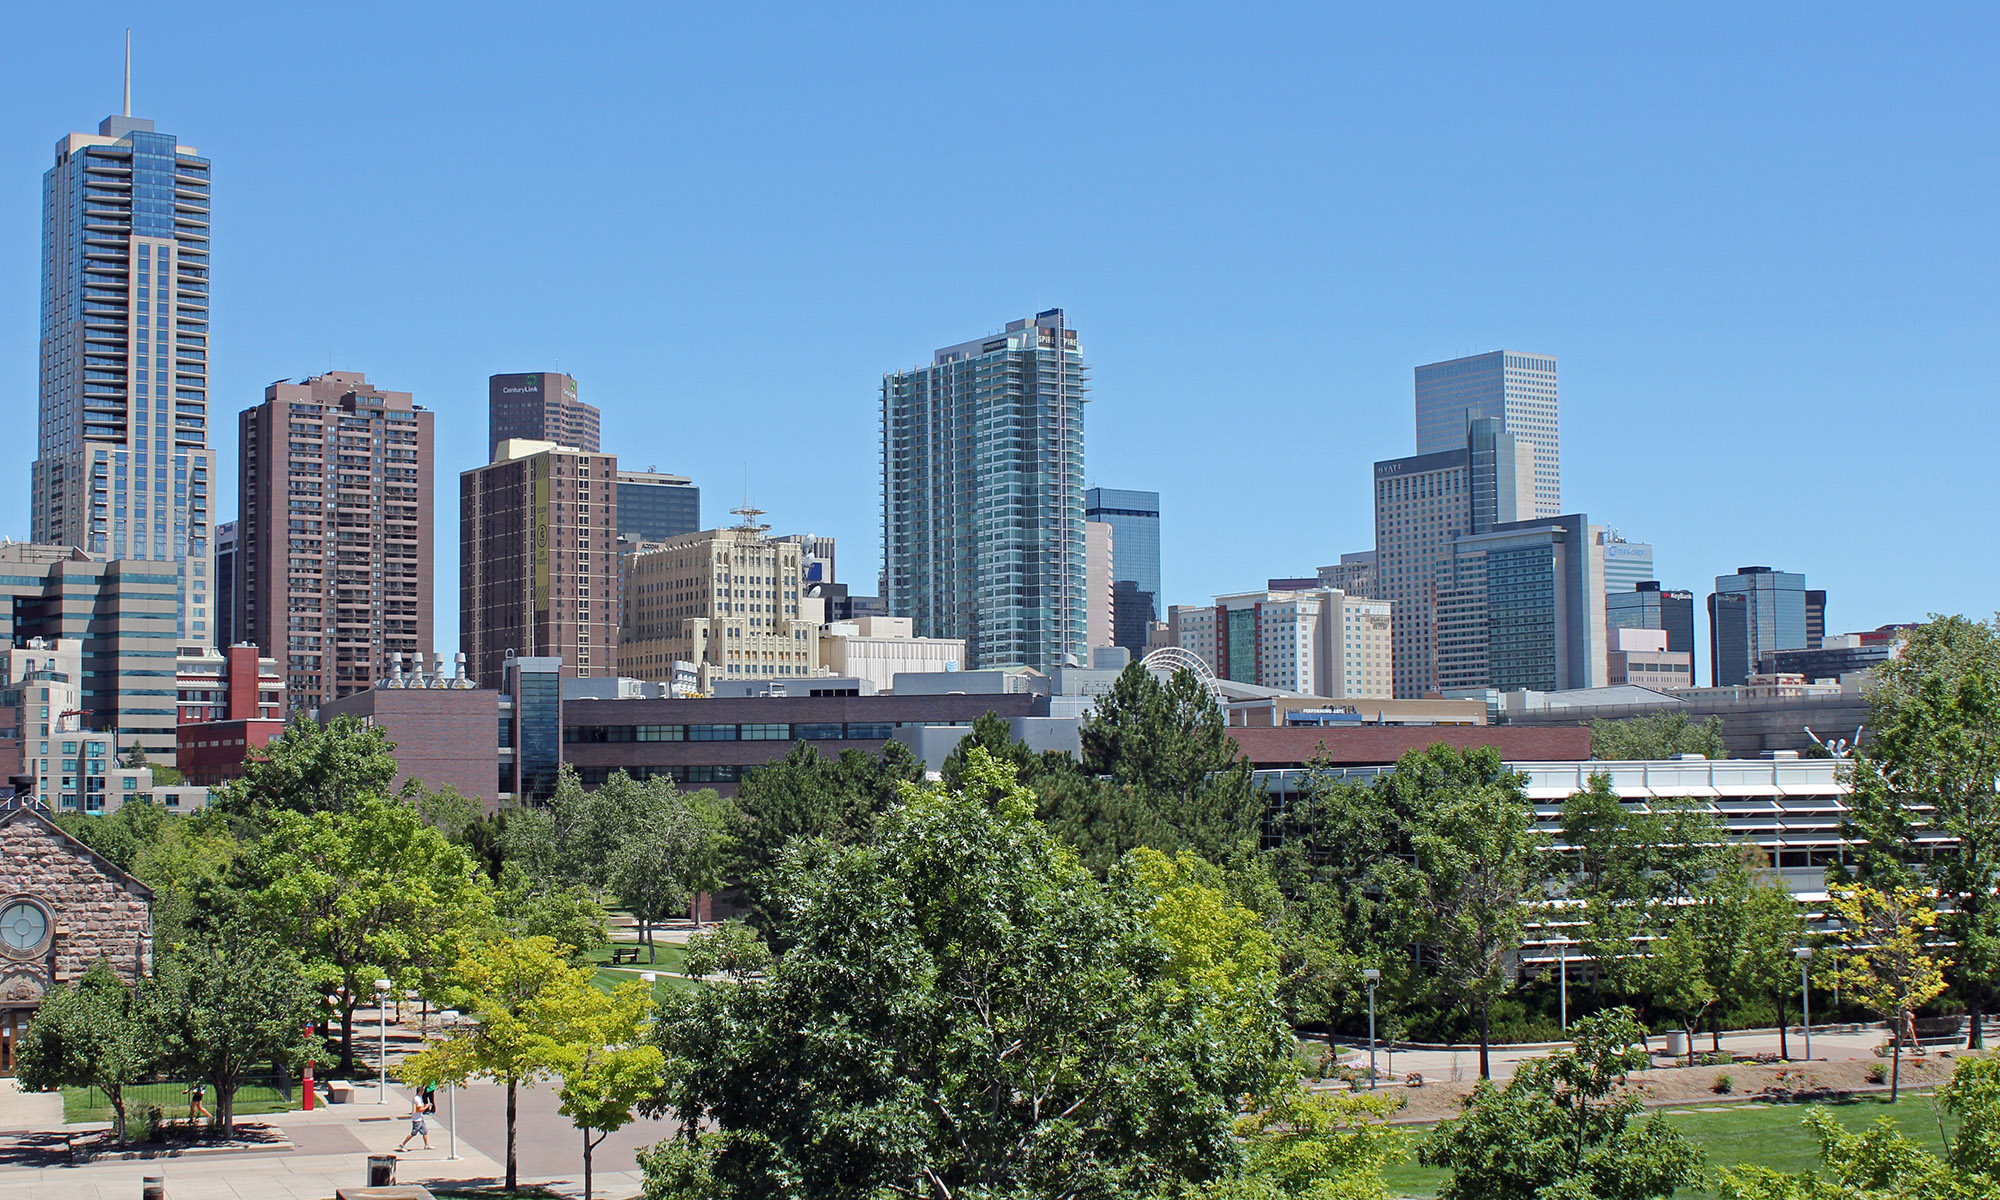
x: 960, y: 1007
x: 1656, y: 736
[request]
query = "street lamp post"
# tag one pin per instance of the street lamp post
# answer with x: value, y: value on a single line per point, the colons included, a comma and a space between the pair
x: 382, y: 1051
x: 1373, y: 977
x: 448, y: 1018
x: 1562, y: 986
x: 1804, y: 955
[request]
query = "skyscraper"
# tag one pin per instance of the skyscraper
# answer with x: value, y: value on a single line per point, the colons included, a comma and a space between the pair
x: 726, y: 600
x: 1771, y: 615
x: 122, y: 466
x: 1098, y: 597
x: 538, y: 406
x: 1423, y: 503
x: 1626, y: 566
x: 982, y: 495
x: 1649, y: 606
x: 228, y: 624
x: 1517, y: 389
x: 1522, y: 606
x: 1134, y: 518
x: 334, y: 557
x: 538, y: 560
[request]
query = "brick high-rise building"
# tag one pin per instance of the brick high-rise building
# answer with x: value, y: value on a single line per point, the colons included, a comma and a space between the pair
x: 538, y: 560
x: 334, y: 532
x: 540, y: 406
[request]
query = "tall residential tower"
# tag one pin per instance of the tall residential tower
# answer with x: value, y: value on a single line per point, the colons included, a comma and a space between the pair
x: 122, y: 466
x: 982, y: 495
x: 333, y: 558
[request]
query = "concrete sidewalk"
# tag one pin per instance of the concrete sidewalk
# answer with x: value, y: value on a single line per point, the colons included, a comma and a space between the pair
x: 330, y: 1149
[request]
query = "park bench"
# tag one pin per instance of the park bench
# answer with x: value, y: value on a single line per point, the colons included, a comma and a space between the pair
x: 619, y: 957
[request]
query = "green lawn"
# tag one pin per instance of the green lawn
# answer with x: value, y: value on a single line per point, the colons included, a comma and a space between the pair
x: 1761, y: 1135
x: 89, y: 1104
x: 673, y: 957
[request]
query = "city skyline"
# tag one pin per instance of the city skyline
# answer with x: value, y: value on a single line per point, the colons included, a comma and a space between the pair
x: 1771, y: 362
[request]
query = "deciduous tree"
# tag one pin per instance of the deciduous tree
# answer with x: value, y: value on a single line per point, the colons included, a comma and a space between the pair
x: 1931, y: 774
x: 603, y: 1065
x: 1564, y: 1127
x: 364, y: 891
x: 957, y: 1009
x: 229, y: 1003
x: 1889, y: 962
x: 96, y: 1032
x: 519, y: 992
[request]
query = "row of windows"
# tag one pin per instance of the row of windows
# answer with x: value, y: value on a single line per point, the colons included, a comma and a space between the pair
x: 829, y: 731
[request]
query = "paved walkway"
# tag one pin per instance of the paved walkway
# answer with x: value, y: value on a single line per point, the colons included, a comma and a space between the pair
x: 1462, y: 1062
x: 330, y: 1149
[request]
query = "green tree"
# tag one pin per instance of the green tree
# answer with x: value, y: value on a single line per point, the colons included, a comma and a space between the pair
x: 447, y: 810
x: 568, y: 915
x: 229, y: 1004
x: 96, y: 1032
x: 568, y: 840
x: 806, y: 795
x: 603, y: 1065
x: 1889, y: 963
x: 1314, y: 1146
x: 1654, y: 737
x: 670, y: 851
x: 312, y: 768
x: 959, y: 1008
x: 730, y: 948
x: 1563, y: 1128
x: 366, y: 891
x: 1165, y: 749
x: 1774, y: 928
x: 121, y: 835
x: 1880, y: 1163
x: 521, y: 994
x: 1930, y: 774
x: 1474, y: 861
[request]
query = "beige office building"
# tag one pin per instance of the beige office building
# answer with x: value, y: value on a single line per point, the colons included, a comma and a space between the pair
x: 727, y: 600
x: 1097, y: 580
x: 880, y: 648
x: 538, y: 560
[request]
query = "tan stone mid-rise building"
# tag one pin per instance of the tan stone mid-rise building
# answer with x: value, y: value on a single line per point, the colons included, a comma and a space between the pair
x: 726, y: 600
x: 334, y: 537
x: 538, y: 560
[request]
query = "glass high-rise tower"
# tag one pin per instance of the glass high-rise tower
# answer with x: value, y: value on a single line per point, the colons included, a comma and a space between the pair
x: 1134, y: 518
x: 122, y: 467
x: 982, y: 495
x: 1517, y: 389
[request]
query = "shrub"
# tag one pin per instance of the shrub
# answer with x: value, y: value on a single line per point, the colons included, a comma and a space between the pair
x: 1878, y: 1073
x: 1724, y: 1085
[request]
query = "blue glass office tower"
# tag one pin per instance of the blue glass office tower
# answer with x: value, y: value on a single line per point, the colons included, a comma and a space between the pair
x: 982, y: 495
x: 122, y: 465
x: 1134, y: 518
x: 1751, y: 613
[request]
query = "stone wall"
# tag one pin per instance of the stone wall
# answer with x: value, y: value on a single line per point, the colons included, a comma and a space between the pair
x: 97, y: 910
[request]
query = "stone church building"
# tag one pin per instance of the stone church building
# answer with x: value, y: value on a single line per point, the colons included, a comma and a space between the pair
x: 62, y: 907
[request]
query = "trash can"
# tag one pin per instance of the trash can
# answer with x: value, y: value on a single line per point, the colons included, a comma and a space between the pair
x: 1677, y: 1044
x: 381, y: 1170
x: 153, y: 1187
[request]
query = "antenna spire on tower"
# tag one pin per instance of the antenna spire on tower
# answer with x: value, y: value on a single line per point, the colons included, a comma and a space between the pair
x: 128, y: 71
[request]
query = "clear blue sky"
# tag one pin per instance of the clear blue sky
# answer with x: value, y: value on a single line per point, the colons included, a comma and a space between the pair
x: 1760, y: 238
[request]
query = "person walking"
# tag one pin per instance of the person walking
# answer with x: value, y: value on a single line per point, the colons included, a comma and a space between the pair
x: 427, y: 1096
x: 419, y: 1127
x: 196, y: 1092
